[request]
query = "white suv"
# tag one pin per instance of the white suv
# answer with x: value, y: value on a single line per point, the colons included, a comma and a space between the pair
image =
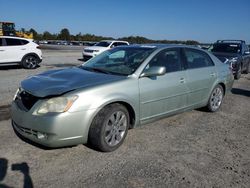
x: 100, y: 47
x: 15, y: 50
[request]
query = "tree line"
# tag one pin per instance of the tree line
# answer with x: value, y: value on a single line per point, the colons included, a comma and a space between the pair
x: 65, y: 34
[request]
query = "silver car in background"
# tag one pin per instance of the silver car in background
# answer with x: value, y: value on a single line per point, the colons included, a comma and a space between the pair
x: 121, y: 88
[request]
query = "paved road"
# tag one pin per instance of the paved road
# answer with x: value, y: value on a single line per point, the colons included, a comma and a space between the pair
x: 193, y: 149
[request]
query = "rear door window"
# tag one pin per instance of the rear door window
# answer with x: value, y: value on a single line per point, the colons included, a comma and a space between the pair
x: 1, y: 43
x: 121, y: 43
x: 197, y: 59
x: 13, y: 42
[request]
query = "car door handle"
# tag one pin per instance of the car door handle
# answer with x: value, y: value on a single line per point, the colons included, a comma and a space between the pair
x: 212, y: 74
x: 23, y: 49
x: 182, y: 80
x: 2, y: 50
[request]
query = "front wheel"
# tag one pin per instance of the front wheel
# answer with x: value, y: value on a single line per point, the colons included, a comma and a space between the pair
x: 238, y: 74
x: 30, y: 62
x: 215, y: 99
x: 109, y: 128
x: 248, y: 68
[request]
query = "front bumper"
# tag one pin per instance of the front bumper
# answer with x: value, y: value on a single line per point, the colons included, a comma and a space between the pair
x: 55, y: 130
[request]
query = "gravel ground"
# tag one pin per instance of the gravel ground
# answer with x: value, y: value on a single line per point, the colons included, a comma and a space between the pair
x: 12, y: 75
x: 192, y: 149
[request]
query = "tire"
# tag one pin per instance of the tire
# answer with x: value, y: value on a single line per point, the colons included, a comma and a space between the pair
x: 109, y: 128
x: 215, y: 99
x: 238, y: 74
x: 248, y: 68
x: 30, y: 62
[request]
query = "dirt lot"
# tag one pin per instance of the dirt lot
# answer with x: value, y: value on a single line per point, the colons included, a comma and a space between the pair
x: 193, y: 149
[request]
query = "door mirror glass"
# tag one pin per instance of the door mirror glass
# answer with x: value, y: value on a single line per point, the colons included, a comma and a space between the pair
x: 153, y: 71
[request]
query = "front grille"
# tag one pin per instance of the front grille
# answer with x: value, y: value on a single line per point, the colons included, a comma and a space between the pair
x: 89, y: 51
x: 25, y: 99
x: 26, y: 130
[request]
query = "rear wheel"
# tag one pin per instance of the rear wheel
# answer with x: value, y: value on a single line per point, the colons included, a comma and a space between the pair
x: 30, y: 62
x: 215, y: 99
x: 109, y: 128
x: 248, y: 68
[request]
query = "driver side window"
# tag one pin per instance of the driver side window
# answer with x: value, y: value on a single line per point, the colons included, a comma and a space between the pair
x: 170, y: 59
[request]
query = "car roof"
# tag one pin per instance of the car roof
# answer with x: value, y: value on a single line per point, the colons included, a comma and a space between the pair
x: 160, y: 46
x: 113, y: 41
x: 11, y: 37
x: 228, y: 43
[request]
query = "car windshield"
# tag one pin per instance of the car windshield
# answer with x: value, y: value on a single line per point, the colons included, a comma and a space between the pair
x: 103, y: 44
x: 225, y: 48
x: 120, y: 60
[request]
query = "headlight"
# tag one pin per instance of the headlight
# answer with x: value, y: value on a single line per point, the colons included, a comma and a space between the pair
x: 57, y: 105
x: 16, y: 94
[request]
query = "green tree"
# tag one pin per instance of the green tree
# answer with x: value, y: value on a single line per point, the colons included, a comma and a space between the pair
x: 34, y: 33
x: 64, y: 34
x: 47, y: 35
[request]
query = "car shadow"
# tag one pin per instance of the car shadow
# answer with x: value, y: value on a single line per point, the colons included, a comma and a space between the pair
x: 243, y: 92
x: 81, y: 60
x: 21, y: 167
x: 5, y: 112
x: 10, y: 67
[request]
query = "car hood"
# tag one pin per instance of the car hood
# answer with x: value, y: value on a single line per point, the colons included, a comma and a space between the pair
x: 100, y: 48
x: 225, y: 55
x: 57, y: 82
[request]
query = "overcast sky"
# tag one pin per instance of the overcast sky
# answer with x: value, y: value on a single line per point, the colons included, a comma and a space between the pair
x: 201, y: 20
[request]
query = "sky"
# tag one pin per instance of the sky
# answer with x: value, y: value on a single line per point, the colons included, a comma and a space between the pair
x: 201, y: 20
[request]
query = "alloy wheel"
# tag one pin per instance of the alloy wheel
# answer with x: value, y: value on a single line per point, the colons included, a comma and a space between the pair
x: 216, y: 98
x: 115, y: 128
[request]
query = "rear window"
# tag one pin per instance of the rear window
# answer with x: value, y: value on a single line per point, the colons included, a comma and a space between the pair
x: 226, y: 48
x: 24, y: 42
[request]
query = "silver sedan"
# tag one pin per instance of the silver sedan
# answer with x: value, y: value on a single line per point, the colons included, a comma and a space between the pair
x: 121, y: 88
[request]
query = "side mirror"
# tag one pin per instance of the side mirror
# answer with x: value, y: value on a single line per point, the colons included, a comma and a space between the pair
x: 153, y: 71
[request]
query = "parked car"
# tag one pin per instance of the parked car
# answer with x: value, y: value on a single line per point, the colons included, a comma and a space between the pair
x: 21, y: 51
x: 122, y: 88
x: 100, y: 47
x: 235, y: 52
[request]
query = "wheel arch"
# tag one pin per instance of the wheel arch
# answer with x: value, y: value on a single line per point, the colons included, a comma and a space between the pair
x: 131, y: 111
x: 223, y: 86
x: 31, y: 54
